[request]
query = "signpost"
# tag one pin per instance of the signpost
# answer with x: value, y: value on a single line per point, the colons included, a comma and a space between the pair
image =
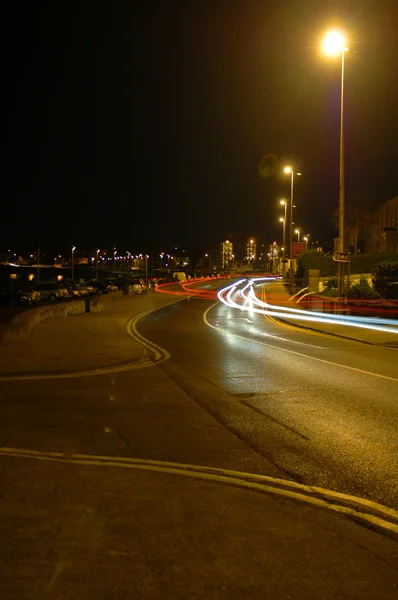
x: 343, y: 257
x: 297, y: 248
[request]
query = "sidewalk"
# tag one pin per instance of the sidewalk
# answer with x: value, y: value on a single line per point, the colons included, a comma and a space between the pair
x: 277, y: 294
x: 81, y: 342
x: 107, y: 531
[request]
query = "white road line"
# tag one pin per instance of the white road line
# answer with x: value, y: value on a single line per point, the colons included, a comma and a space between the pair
x: 308, y: 356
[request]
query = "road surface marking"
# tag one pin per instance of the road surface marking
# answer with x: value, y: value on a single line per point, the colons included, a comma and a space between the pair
x: 355, y: 507
x: 160, y: 355
x: 308, y: 356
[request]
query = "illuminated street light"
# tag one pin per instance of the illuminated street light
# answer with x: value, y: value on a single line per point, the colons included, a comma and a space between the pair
x: 335, y: 45
x: 290, y: 170
x: 96, y: 264
x: 298, y: 234
x: 284, y: 203
x: 73, y: 259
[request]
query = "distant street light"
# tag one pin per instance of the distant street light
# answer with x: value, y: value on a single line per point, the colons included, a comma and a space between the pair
x: 146, y: 270
x: 161, y: 259
x: 289, y: 170
x: 298, y: 234
x: 334, y: 44
x: 73, y: 259
x: 96, y: 265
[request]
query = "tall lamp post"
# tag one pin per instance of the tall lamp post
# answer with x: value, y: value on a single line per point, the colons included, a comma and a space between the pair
x: 289, y: 170
x: 96, y: 264
x: 334, y: 44
x: 298, y: 234
x: 73, y: 259
x: 284, y: 203
x: 283, y: 221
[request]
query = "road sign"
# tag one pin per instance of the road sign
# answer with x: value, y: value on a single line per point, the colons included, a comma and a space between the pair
x: 297, y: 248
x: 341, y: 256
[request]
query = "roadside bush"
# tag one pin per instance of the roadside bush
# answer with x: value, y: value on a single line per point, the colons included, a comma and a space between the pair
x: 363, y: 291
x: 312, y: 259
x: 368, y: 263
x: 329, y: 292
x: 331, y: 283
x: 385, y: 279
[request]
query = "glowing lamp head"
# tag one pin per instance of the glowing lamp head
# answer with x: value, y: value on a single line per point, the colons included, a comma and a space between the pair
x: 287, y: 169
x: 283, y: 202
x: 334, y: 43
x: 281, y: 219
x: 297, y: 231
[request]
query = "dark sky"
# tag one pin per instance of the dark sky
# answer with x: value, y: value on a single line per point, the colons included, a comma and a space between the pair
x: 143, y: 123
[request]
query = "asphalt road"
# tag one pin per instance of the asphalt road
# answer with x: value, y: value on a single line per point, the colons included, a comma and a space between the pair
x: 323, y: 411
x: 114, y: 482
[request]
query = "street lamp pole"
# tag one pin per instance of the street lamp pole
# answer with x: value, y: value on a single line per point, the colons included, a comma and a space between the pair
x: 340, y: 279
x: 298, y: 234
x: 334, y: 44
x: 96, y: 270
x: 73, y: 259
x: 283, y: 221
x: 284, y: 203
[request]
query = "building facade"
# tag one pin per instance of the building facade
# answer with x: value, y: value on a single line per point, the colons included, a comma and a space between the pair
x: 226, y: 254
x: 251, y: 250
x: 380, y: 229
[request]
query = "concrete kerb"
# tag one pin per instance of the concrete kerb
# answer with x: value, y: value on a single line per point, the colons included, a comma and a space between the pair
x: 21, y: 326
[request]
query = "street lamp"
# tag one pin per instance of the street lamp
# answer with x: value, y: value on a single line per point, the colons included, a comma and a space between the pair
x: 298, y: 234
x: 161, y: 259
x: 96, y: 265
x: 289, y: 170
x: 283, y: 221
x: 146, y: 270
x: 73, y: 259
x: 335, y: 45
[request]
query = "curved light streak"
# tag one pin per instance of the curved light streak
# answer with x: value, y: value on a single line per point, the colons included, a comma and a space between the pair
x: 254, y: 305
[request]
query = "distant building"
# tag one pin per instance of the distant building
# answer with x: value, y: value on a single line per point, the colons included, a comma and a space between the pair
x: 227, y: 254
x: 380, y: 229
x: 251, y: 250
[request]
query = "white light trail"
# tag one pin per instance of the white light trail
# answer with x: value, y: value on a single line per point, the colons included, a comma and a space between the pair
x: 250, y: 298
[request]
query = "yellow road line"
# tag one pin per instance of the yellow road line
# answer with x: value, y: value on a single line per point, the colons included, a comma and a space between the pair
x: 244, y: 480
x: 294, y: 352
x: 160, y: 355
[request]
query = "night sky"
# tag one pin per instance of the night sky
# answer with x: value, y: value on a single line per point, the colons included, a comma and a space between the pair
x: 143, y: 123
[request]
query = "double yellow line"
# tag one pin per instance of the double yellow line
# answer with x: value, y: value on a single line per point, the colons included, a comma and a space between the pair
x: 366, y: 511
x: 159, y: 353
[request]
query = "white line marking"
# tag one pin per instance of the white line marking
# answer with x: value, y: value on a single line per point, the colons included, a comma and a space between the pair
x: 321, y: 360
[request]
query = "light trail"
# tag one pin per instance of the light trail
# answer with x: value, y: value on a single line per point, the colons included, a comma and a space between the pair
x: 253, y: 304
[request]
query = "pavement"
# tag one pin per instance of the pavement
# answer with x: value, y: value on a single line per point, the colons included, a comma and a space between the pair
x: 143, y: 482
x: 81, y: 342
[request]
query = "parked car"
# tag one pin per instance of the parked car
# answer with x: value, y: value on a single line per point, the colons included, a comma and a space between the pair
x: 113, y: 286
x: 137, y: 286
x: 19, y: 297
x: 52, y: 291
